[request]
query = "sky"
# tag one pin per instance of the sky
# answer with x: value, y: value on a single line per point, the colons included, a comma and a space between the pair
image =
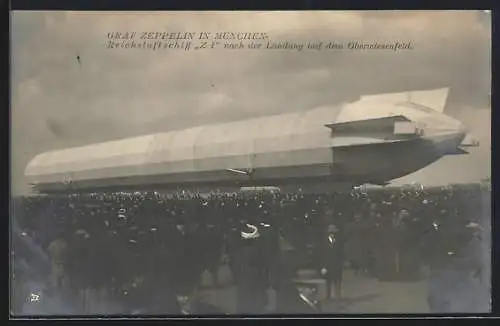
x: 58, y: 102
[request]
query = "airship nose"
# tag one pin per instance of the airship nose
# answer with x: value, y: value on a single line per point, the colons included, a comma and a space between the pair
x: 449, y: 142
x: 469, y: 139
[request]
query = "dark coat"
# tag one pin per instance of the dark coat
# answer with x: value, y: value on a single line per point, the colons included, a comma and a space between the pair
x: 252, y: 279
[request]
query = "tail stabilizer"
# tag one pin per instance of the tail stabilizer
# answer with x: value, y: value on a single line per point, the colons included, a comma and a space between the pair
x: 434, y: 99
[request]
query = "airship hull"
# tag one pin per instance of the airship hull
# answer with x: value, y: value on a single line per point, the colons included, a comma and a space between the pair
x: 349, y: 165
x: 327, y: 144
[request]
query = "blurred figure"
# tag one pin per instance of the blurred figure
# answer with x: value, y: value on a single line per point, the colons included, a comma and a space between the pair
x: 288, y: 298
x: 455, y: 269
x: 185, y: 265
x: 31, y: 271
x: 233, y: 243
x: 161, y: 302
x: 271, y: 252
x: 407, y: 258
x: 194, y: 303
x: 358, y: 246
x: 80, y: 267
x: 472, y: 294
x: 57, y: 251
x: 212, y: 244
x: 386, y: 246
x: 252, y: 281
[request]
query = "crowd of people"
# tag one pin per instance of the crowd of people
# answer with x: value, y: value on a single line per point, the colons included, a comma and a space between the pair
x: 146, y: 250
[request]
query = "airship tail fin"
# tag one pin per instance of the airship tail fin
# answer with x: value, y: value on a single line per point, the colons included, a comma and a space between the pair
x: 433, y: 99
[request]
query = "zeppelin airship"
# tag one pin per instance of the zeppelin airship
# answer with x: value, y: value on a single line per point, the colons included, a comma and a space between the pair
x: 372, y: 140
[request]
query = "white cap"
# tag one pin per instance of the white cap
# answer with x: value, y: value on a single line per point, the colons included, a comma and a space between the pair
x: 474, y: 225
x: 252, y: 235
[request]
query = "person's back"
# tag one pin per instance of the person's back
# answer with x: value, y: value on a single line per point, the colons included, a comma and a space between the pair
x: 250, y: 288
x: 232, y: 250
x: 57, y: 250
x: 78, y: 264
x: 252, y: 273
x: 358, y: 246
x: 288, y: 299
x: 212, y: 243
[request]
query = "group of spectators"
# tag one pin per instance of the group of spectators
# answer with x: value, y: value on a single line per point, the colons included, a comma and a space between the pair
x: 139, y: 247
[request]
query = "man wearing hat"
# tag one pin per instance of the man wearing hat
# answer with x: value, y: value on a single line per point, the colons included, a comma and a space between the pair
x: 333, y: 257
